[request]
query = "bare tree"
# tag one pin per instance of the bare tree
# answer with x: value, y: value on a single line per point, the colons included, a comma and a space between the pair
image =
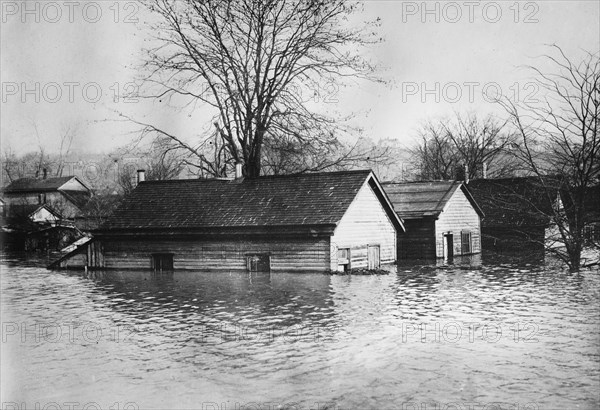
x: 68, y: 131
x: 99, y: 208
x: 35, y: 163
x: 11, y: 167
x: 480, y: 145
x: 252, y: 62
x: 288, y: 156
x: 558, y: 135
x: 30, y: 164
x: 162, y: 160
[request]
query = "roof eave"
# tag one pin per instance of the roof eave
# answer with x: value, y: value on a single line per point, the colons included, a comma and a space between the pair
x: 383, y: 197
x: 474, y: 203
x: 283, y: 230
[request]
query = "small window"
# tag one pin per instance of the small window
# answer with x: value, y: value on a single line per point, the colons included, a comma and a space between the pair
x: 162, y: 262
x: 591, y: 232
x: 343, y: 259
x: 258, y: 262
x: 466, y: 242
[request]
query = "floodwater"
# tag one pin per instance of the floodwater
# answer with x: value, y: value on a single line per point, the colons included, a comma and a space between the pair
x: 499, y: 336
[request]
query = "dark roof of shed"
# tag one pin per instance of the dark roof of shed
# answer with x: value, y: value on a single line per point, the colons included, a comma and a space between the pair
x: 413, y: 200
x: 304, y: 199
x: 37, y: 185
x: 519, y: 201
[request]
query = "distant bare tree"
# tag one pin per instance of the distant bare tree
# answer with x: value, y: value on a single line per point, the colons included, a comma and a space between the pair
x: 35, y: 163
x: 162, y: 161
x: 559, y: 136
x: 11, y: 168
x: 253, y: 63
x: 290, y: 156
x: 99, y: 208
x: 480, y: 145
x: 30, y: 164
x: 67, y: 133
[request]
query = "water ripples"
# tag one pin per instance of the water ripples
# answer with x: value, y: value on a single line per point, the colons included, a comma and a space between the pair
x: 500, y: 333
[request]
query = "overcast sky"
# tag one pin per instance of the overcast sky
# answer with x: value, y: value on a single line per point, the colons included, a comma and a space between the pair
x: 69, y: 63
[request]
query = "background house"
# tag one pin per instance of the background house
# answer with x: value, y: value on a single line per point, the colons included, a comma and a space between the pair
x: 307, y: 222
x: 43, y: 214
x: 517, y: 214
x: 66, y: 196
x: 442, y: 219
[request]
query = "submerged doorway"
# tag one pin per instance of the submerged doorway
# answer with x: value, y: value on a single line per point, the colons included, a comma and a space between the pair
x: 373, y: 257
x: 448, y: 246
x: 162, y: 262
x: 258, y: 263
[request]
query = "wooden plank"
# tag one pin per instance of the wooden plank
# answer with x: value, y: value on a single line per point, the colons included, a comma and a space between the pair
x: 302, y: 255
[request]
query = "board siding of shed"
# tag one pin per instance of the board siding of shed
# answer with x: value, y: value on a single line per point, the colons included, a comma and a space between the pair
x: 419, y: 240
x: 458, y: 216
x: 307, y: 255
x: 364, y: 223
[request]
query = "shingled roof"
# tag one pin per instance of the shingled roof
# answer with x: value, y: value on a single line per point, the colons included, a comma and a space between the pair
x: 515, y: 202
x: 37, y: 185
x: 294, y: 200
x: 414, y: 200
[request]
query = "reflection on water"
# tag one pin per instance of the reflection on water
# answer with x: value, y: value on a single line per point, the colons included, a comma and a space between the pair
x: 418, y: 338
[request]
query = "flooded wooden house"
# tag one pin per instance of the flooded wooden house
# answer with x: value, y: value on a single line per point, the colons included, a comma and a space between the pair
x: 442, y: 219
x: 65, y: 196
x: 306, y: 222
x: 43, y: 213
x: 518, y: 213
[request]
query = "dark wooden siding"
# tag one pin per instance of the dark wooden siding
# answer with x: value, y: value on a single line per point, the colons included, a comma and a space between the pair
x: 419, y: 240
x: 501, y: 239
x: 287, y: 255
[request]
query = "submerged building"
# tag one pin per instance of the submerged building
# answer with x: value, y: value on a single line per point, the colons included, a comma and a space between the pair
x: 442, y: 219
x: 304, y: 222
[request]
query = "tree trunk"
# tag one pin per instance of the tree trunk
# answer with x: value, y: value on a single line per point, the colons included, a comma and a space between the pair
x: 253, y: 168
x: 575, y: 257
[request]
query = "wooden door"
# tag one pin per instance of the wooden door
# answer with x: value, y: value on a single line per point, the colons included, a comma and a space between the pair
x: 162, y: 262
x: 448, y: 246
x: 373, y: 256
x: 258, y: 263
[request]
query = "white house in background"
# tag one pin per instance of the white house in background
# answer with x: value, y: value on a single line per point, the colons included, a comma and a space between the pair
x: 44, y: 215
x: 66, y: 196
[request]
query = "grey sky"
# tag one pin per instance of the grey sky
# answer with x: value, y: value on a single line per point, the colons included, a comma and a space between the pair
x: 69, y: 63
